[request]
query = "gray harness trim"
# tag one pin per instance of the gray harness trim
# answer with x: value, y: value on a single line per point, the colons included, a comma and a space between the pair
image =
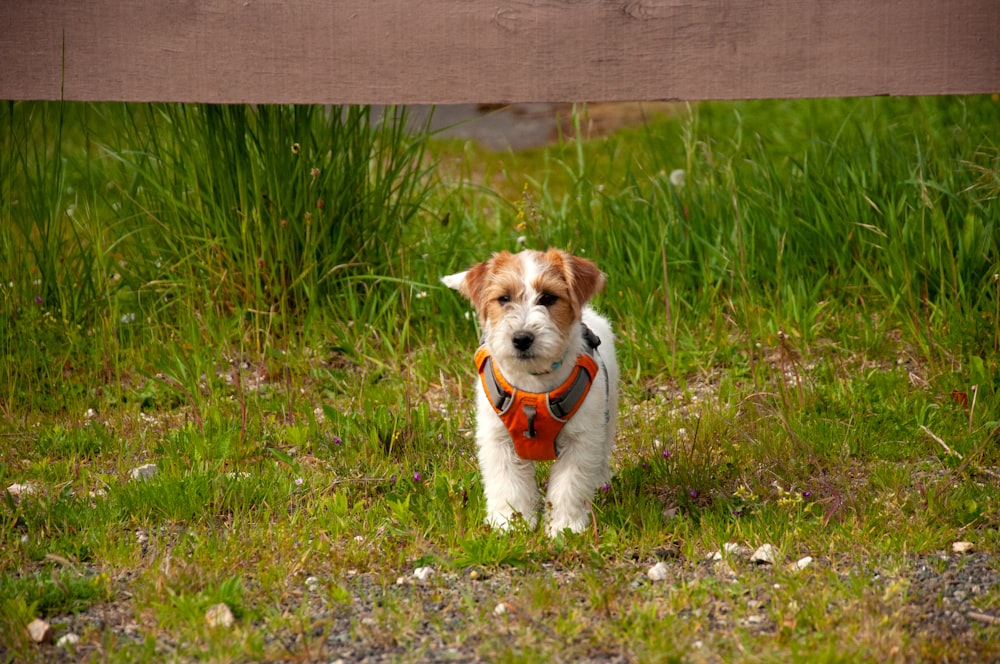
x: 501, y: 399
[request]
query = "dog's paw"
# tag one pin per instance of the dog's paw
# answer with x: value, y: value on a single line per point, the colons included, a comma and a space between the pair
x: 558, y: 524
x: 511, y: 521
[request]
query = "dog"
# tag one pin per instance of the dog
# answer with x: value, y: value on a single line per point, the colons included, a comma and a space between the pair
x: 547, y: 388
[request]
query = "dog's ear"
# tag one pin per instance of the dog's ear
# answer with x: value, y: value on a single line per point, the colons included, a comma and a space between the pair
x: 468, y: 283
x: 455, y: 281
x: 585, y: 280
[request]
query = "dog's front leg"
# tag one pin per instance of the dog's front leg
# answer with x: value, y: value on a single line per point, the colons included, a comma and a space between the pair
x: 572, y: 482
x: 508, y: 484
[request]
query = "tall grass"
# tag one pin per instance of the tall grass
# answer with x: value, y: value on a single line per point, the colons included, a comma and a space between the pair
x: 887, y: 208
x: 134, y: 224
x: 124, y: 221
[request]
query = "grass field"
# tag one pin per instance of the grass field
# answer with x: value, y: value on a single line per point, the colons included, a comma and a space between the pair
x: 807, y: 301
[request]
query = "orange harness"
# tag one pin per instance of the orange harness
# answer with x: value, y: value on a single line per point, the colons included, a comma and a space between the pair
x: 534, y: 419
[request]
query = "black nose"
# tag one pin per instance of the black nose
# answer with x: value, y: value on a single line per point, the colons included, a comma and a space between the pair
x: 523, y: 340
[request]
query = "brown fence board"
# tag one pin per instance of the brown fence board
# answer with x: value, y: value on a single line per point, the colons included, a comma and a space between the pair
x: 450, y: 51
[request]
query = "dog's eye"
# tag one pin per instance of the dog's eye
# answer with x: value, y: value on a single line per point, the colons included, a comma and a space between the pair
x: 547, y: 299
x: 504, y: 299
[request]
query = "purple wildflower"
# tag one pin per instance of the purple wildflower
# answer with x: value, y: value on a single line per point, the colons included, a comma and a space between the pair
x: 693, y: 493
x: 416, y: 476
x: 336, y: 440
x: 606, y: 487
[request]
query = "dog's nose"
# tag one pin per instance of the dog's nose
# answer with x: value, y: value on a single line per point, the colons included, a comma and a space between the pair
x: 523, y: 340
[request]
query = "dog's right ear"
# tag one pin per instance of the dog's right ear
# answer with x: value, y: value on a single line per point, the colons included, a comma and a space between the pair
x: 468, y: 283
x: 455, y: 281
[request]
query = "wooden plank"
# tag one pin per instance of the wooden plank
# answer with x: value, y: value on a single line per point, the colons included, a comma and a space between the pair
x: 451, y: 51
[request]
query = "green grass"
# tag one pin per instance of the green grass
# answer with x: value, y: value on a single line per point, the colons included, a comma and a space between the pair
x: 249, y: 298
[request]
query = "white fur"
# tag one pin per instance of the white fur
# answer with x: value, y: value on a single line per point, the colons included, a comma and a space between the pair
x: 586, y: 441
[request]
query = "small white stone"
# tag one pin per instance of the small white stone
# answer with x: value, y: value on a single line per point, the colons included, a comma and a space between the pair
x: 68, y: 640
x: 219, y: 615
x: 423, y: 573
x: 729, y: 548
x: 764, y: 555
x: 501, y: 609
x: 962, y: 547
x: 144, y: 472
x: 802, y: 563
x: 657, y: 572
x: 18, y: 491
x: 312, y: 583
x: 40, y: 631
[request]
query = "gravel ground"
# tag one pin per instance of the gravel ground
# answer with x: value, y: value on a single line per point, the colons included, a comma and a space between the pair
x: 951, y: 600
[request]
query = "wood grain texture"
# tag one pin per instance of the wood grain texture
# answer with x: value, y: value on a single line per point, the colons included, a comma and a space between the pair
x: 452, y: 51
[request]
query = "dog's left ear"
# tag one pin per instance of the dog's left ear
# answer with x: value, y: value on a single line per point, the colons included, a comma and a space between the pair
x: 585, y: 279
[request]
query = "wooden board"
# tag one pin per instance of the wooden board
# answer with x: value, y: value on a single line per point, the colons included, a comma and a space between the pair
x: 451, y: 51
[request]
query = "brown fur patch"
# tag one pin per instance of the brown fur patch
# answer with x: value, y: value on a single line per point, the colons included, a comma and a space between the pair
x: 555, y: 279
x: 571, y: 279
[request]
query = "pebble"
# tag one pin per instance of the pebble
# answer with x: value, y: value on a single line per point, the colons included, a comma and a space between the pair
x: 219, y: 615
x: 144, y: 472
x: 68, y: 640
x: 657, y: 572
x: 801, y: 564
x: 423, y: 573
x: 40, y: 631
x: 764, y: 555
x: 17, y: 491
x: 962, y: 547
x: 502, y: 608
x: 312, y: 583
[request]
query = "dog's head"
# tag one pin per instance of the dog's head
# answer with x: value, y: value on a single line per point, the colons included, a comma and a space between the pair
x: 529, y: 304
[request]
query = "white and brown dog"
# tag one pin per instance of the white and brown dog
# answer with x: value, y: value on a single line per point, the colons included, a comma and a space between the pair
x: 547, y: 388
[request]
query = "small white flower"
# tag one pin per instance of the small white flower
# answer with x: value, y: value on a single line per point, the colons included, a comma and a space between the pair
x: 421, y: 294
x: 128, y: 318
x: 521, y: 239
x: 678, y: 177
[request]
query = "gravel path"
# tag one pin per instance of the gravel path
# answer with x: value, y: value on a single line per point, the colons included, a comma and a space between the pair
x: 952, y: 600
